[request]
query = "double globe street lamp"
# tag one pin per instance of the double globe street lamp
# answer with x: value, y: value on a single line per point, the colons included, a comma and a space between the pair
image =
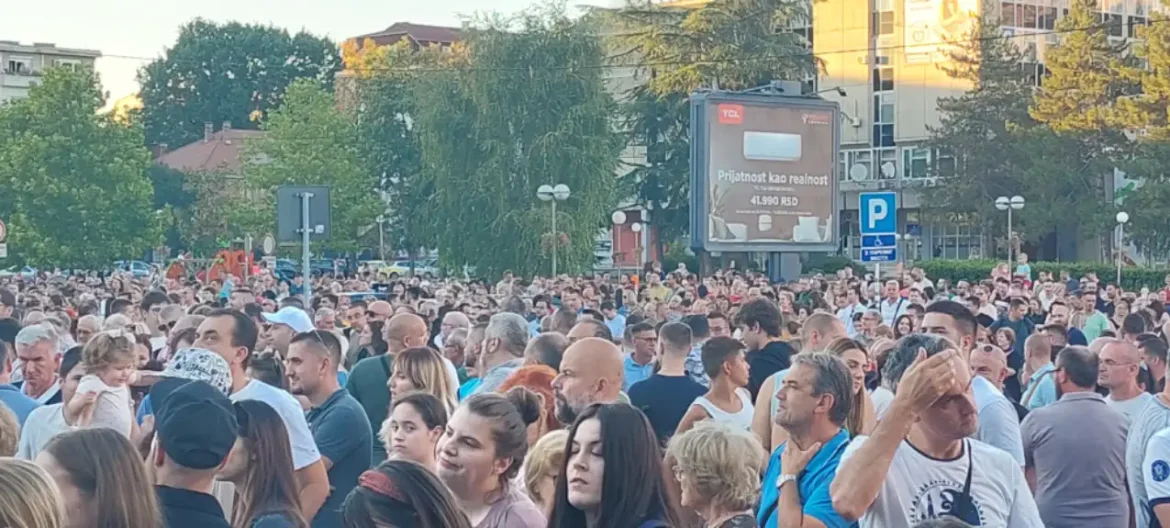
x: 1015, y: 203
x: 553, y: 194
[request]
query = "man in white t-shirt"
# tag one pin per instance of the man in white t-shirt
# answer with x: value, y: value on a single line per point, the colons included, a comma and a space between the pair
x: 999, y: 424
x: 920, y: 463
x: 232, y: 335
x: 1120, y: 362
x: 892, y: 305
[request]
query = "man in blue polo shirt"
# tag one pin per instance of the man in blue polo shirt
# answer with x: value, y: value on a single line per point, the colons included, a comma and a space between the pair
x: 800, y: 471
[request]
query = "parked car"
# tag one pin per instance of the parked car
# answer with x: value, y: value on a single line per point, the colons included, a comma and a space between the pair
x: 427, y: 268
x: 137, y: 268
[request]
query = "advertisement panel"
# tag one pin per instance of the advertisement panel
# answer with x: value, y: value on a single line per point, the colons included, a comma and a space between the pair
x: 933, y: 25
x: 763, y: 173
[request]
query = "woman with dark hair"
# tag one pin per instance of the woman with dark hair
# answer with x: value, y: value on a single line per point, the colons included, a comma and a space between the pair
x: 371, y: 341
x: 903, y: 326
x: 102, y: 479
x: 261, y: 466
x: 266, y: 367
x: 414, y: 426
x: 400, y: 493
x: 612, y: 476
x: 481, y: 453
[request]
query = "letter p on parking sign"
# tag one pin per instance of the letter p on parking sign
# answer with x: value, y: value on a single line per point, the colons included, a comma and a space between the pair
x: 879, y: 213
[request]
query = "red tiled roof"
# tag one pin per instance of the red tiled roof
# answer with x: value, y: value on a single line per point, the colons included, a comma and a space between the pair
x: 419, y: 33
x: 221, y: 152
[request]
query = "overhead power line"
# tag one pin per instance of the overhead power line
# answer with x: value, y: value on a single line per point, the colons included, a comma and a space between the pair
x: 703, y: 62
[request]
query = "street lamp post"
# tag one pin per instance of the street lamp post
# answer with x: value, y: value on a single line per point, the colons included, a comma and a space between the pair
x: 618, y: 218
x: 1003, y: 203
x: 1122, y: 219
x: 381, y: 237
x: 636, y: 227
x: 549, y: 193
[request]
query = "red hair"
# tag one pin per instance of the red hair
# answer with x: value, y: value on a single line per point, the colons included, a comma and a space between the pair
x: 538, y: 379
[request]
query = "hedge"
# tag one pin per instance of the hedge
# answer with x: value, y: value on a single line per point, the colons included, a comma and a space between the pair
x: 971, y: 270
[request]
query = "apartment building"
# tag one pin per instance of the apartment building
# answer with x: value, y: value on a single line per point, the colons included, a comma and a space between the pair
x: 21, y: 65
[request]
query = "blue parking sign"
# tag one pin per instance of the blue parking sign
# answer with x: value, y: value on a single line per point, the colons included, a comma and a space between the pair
x: 879, y: 213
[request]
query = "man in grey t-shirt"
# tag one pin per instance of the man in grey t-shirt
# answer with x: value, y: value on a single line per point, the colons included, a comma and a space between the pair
x: 1078, y: 472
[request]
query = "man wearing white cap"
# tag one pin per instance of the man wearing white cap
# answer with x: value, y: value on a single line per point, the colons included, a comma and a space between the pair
x: 283, y: 326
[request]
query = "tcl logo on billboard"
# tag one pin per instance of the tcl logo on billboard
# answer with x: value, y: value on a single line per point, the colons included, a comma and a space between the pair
x: 730, y: 114
x: 817, y: 119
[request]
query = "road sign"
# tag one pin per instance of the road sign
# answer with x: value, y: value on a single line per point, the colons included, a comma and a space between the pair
x: 879, y: 223
x: 269, y: 244
x: 3, y: 250
x: 3, y: 231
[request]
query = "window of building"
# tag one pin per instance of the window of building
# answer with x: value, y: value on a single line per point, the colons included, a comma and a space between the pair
x: 944, y: 163
x: 1028, y: 16
x: 1114, y: 24
x: 887, y: 161
x: 915, y: 162
x: 883, y: 108
x: 19, y: 65
x: 1007, y: 14
x: 1047, y: 18
x: 883, y: 23
x: 1134, y: 22
x: 864, y: 158
x: 69, y: 64
x: 883, y: 79
x: 842, y: 166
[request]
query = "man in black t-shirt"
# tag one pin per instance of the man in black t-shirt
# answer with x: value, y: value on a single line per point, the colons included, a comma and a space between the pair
x: 760, y: 322
x: 665, y: 396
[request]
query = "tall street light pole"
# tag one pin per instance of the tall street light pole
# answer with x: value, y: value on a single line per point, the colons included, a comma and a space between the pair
x: 553, y: 194
x: 1003, y: 203
x: 1122, y: 219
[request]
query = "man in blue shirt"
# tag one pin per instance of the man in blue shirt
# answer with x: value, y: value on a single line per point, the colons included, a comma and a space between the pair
x: 800, y: 471
x: 10, y: 396
x: 639, y: 365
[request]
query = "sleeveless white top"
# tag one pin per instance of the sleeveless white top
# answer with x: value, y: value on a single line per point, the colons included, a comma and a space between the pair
x: 739, y: 420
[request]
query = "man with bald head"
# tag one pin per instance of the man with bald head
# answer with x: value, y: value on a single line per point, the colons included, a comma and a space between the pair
x: 819, y: 330
x: 368, y: 379
x: 454, y: 320
x: 1117, y: 368
x: 591, y: 372
x: 379, y: 311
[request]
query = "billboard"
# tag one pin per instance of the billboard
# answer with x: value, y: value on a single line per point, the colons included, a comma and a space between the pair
x: 762, y: 173
x: 932, y: 26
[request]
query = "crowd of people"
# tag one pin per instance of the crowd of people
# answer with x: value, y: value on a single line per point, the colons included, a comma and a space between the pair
x: 649, y: 400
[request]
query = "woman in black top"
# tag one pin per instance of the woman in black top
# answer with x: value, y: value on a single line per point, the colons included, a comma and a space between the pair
x: 260, y: 465
x: 612, y: 475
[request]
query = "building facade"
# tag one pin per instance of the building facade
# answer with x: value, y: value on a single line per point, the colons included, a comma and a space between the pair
x: 22, y: 65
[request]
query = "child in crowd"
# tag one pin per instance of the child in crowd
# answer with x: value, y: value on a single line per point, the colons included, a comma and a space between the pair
x: 109, y: 360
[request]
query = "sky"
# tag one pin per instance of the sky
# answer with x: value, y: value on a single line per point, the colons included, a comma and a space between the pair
x: 130, y: 33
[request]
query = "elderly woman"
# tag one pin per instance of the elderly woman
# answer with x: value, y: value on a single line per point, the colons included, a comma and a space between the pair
x: 718, y: 467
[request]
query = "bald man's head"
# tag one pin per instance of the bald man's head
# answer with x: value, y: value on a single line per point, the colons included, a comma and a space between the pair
x: 404, y: 331
x: 591, y: 372
x: 1038, y: 347
x: 379, y: 311
x: 819, y: 330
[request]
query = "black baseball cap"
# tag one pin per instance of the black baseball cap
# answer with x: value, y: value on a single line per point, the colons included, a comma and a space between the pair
x: 195, y: 422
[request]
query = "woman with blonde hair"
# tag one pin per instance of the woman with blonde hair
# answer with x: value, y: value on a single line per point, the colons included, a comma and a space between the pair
x: 862, y: 416
x: 421, y: 369
x: 9, y: 432
x: 101, y: 478
x: 541, y: 467
x: 717, y: 468
x: 28, y: 496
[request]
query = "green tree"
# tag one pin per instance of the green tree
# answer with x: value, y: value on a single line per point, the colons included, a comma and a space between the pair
x: 725, y: 44
x: 76, y: 192
x: 662, y: 124
x: 1086, y: 76
x: 529, y: 107
x: 311, y: 142
x: 388, y: 139
x: 227, y: 72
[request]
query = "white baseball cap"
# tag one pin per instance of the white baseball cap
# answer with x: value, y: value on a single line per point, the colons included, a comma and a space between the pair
x: 291, y: 317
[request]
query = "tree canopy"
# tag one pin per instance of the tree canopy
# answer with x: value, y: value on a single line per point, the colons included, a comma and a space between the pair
x: 76, y: 187
x: 227, y: 72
